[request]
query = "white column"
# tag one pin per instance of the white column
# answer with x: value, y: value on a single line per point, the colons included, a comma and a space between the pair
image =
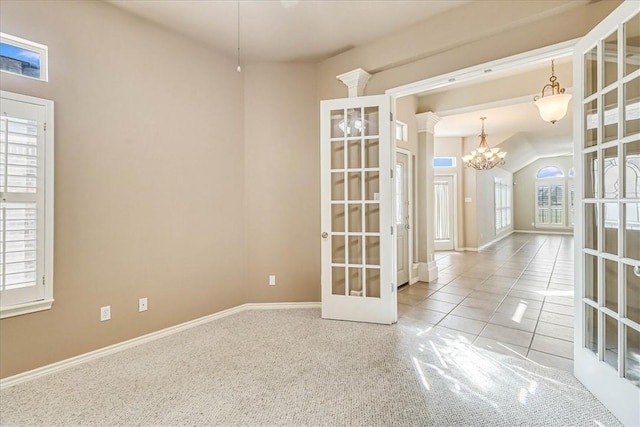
x: 427, y: 267
x: 355, y: 81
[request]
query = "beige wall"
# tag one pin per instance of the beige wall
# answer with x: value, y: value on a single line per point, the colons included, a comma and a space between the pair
x: 148, y: 179
x: 525, y: 193
x: 282, y: 182
x: 475, y: 33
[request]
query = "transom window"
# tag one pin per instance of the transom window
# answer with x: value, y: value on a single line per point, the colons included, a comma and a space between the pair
x: 23, y: 57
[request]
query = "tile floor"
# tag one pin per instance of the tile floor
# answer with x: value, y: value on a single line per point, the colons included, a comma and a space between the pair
x: 514, y: 296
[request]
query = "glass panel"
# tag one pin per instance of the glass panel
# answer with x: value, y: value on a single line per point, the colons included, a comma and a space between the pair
x: 355, y: 282
x: 611, y: 284
x: 371, y: 147
x: 371, y: 120
x: 354, y: 158
x: 373, y: 250
x: 633, y: 292
x: 337, y: 123
x: 337, y: 250
x: 591, y: 277
x: 355, y: 218
x: 372, y: 185
x: 631, y: 152
x: 632, y: 45
x: 373, y: 282
x: 18, y: 60
x: 337, y: 186
x: 557, y: 205
x: 355, y: 250
x: 590, y: 174
x: 353, y: 127
x: 337, y: 281
x: 591, y: 328
x: 591, y: 123
x: 632, y: 107
x: 611, y: 59
x: 611, y: 173
x: 611, y: 341
x: 355, y: 185
x: 372, y: 218
x: 337, y: 218
x: 590, y: 226
x: 632, y: 231
x: 632, y: 356
x: 611, y: 116
x: 591, y: 71
x: 337, y: 155
x: 610, y: 235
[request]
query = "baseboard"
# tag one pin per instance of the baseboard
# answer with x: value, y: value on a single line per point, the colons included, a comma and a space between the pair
x: 134, y: 342
x: 414, y: 279
x: 496, y: 240
x: 470, y: 249
x: 564, y: 233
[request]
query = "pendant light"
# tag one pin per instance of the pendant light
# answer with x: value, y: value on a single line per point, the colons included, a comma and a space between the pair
x: 552, y: 106
x: 484, y: 157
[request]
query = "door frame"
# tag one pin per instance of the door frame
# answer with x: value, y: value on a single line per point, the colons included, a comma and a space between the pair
x: 454, y: 197
x: 411, y: 231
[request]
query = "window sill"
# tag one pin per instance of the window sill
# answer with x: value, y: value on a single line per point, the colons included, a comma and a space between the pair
x: 31, y: 307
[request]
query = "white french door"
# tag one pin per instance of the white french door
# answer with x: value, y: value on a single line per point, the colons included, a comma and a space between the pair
x: 358, y: 249
x: 607, y: 162
x: 444, y: 214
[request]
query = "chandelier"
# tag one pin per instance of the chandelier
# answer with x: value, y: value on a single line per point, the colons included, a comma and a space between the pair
x: 484, y: 157
x: 554, y: 105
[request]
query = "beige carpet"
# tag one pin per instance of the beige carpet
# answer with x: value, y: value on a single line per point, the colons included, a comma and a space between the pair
x: 289, y: 367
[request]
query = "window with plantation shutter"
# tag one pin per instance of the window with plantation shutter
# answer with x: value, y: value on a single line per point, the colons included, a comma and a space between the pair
x: 26, y: 204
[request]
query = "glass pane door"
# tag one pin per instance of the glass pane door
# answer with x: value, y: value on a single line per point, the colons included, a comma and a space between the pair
x: 357, y: 207
x: 607, y: 354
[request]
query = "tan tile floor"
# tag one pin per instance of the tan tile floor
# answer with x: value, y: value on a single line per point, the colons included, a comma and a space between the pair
x: 514, y: 297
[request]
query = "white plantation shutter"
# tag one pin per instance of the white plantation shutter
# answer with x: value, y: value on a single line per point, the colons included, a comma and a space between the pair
x: 24, y: 257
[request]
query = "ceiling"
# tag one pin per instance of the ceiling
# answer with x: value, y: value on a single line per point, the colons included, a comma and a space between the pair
x: 312, y: 30
x: 286, y: 30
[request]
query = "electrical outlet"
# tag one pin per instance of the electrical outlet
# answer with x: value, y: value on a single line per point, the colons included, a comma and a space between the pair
x: 105, y: 313
x: 272, y: 280
x: 143, y: 304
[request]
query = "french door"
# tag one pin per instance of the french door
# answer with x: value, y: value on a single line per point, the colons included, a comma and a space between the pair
x: 607, y: 161
x: 358, y: 249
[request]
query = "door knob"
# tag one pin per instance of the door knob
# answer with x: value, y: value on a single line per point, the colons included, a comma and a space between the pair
x: 325, y: 235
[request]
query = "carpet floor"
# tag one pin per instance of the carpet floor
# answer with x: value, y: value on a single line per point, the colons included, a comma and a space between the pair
x: 289, y: 367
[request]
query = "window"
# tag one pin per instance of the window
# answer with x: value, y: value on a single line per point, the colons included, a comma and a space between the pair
x: 444, y: 162
x: 402, y: 131
x: 550, y: 172
x: 551, y: 199
x: 26, y: 204
x: 23, y: 57
x: 502, y: 203
x: 550, y: 204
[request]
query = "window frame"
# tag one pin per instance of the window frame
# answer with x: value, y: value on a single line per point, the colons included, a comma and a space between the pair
x: 501, y: 193
x: 551, y: 182
x: 21, y: 43
x: 48, y: 208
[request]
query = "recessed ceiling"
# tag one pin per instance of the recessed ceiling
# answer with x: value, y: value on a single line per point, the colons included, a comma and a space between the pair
x: 286, y: 30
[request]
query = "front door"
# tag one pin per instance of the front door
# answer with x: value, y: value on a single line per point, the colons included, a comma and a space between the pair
x: 444, y: 213
x: 607, y: 153
x: 358, y: 246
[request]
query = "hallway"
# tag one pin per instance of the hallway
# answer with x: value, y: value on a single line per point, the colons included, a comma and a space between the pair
x: 516, y: 296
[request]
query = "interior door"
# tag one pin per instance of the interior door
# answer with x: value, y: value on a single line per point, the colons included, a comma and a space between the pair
x: 358, y: 249
x: 402, y: 217
x: 607, y: 153
x: 444, y: 212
